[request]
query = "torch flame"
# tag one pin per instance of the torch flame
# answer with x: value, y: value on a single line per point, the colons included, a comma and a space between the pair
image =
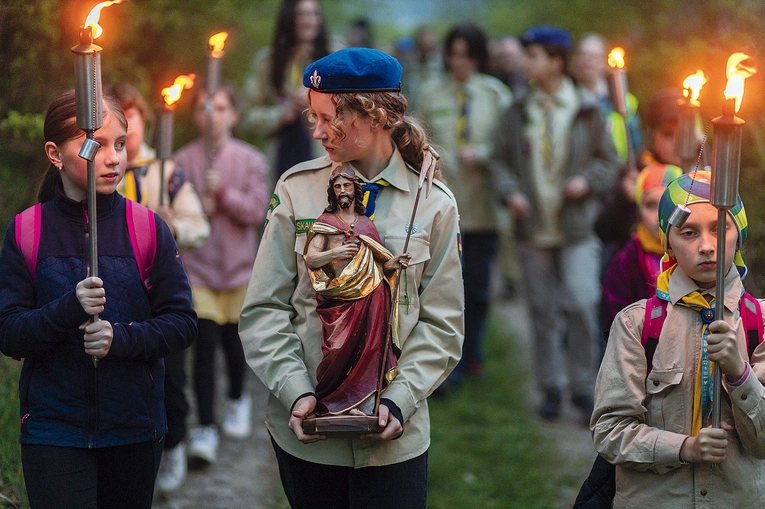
x: 616, y: 58
x: 692, y: 86
x: 737, y: 71
x: 172, y: 93
x: 216, y: 43
x: 95, y: 15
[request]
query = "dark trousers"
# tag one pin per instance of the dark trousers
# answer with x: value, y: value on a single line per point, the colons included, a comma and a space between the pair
x: 176, y: 404
x: 313, y: 486
x: 104, y: 478
x: 478, y: 253
x: 210, y: 334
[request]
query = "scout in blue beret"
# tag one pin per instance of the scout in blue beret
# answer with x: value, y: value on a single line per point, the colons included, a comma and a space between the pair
x: 354, y: 70
x: 359, y: 116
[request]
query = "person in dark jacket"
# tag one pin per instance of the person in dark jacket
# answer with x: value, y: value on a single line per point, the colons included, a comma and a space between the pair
x: 551, y: 161
x: 91, y: 435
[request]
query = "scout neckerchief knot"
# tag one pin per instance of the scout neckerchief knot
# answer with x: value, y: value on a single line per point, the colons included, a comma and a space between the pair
x: 371, y: 189
x: 694, y: 187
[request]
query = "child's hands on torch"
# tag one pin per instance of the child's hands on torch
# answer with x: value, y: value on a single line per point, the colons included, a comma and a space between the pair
x: 91, y: 294
x: 723, y: 349
x: 97, y: 338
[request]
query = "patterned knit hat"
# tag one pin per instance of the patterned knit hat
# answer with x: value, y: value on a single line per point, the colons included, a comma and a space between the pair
x: 655, y: 175
x: 695, y: 187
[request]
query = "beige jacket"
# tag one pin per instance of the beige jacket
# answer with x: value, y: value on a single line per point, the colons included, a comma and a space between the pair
x: 189, y: 221
x: 640, y: 424
x: 281, y: 331
x: 439, y: 107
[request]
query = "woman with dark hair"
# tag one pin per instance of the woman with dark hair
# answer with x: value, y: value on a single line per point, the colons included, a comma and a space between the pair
x: 91, y: 434
x: 273, y: 86
x: 461, y: 109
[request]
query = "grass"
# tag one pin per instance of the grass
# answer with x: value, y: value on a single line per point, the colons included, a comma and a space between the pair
x: 486, y: 450
x: 12, y: 493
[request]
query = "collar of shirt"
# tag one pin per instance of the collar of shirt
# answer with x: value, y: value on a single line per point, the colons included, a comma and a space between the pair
x: 564, y: 96
x: 395, y: 173
x: 681, y: 285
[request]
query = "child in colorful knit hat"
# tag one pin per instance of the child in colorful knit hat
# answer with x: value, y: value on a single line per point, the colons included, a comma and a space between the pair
x: 652, y: 417
x: 632, y: 273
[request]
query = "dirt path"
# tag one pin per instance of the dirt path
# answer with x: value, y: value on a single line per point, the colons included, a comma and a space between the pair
x: 245, y: 474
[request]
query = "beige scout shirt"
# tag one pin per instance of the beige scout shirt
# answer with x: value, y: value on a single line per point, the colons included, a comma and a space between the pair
x: 189, y: 220
x: 549, y: 182
x: 438, y: 105
x: 640, y: 424
x: 281, y: 331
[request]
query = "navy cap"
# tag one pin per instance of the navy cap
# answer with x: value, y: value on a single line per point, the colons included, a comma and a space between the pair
x: 354, y: 70
x: 547, y: 36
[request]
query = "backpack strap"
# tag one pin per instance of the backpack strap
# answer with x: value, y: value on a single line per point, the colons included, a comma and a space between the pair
x: 27, y: 230
x: 143, y: 237
x: 751, y: 318
x: 655, y: 314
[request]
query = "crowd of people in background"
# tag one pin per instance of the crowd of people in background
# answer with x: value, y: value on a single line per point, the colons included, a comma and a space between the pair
x: 558, y: 195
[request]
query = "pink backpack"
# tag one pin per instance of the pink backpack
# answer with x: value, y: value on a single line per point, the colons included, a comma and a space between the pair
x: 140, y: 224
x: 656, y: 312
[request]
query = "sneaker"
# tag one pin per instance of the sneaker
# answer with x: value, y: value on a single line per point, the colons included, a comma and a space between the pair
x: 237, y: 422
x: 172, y: 469
x: 203, y: 446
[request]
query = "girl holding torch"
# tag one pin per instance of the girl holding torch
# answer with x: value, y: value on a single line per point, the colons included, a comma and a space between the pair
x: 90, y: 437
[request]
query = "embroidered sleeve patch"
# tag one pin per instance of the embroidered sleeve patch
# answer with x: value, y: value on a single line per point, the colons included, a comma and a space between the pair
x: 274, y: 202
x: 303, y: 225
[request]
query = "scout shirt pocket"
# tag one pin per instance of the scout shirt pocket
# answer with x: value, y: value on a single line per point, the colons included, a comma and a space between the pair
x: 420, y: 251
x: 303, y: 285
x: 663, y: 400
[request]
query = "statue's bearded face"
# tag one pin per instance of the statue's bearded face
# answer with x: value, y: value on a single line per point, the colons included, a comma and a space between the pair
x: 344, y: 192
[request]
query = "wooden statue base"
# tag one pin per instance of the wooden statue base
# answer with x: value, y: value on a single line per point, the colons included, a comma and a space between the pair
x: 341, y: 425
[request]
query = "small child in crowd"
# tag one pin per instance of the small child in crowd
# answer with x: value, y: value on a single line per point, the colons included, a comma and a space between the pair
x: 235, y: 193
x: 652, y: 417
x: 632, y: 273
x: 90, y: 436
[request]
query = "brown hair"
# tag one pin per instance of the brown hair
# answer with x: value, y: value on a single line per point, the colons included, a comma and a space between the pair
x: 129, y: 97
x: 347, y: 173
x: 386, y: 108
x: 61, y: 126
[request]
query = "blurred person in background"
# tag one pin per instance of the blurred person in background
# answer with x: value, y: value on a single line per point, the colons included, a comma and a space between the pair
x: 460, y: 109
x: 182, y: 210
x: 274, y: 94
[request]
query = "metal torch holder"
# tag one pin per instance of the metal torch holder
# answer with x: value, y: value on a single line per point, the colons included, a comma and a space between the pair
x: 618, y: 91
x: 726, y: 158
x: 687, y: 144
x: 89, y: 104
x: 164, y: 143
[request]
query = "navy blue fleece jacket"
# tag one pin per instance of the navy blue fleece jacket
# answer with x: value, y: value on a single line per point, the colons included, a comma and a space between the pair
x: 64, y: 400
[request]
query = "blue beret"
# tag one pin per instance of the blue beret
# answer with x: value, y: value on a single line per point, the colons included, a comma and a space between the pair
x: 547, y: 36
x: 354, y: 70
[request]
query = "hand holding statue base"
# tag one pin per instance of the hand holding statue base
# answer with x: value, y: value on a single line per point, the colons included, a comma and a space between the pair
x: 348, y: 426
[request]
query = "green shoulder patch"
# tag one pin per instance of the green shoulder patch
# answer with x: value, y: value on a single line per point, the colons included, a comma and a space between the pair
x: 303, y: 225
x: 274, y: 202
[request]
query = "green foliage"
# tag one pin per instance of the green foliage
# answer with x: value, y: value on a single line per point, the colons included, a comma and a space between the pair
x: 11, y: 478
x: 486, y: 450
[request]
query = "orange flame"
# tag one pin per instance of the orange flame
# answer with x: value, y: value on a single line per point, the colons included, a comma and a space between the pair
x: 737, y: 72
x: 172, y: 93
x: 216, y: 43
x: 95, y: 15
x: 692, y: 86
x: 616, y: 58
